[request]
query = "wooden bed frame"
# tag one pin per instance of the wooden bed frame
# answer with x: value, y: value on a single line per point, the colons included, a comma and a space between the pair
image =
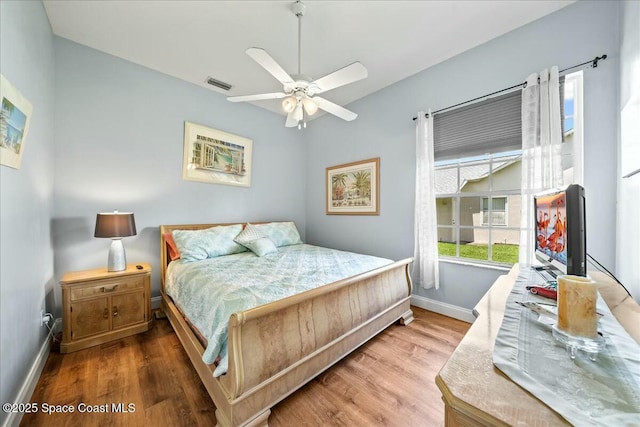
x: 276, y: 348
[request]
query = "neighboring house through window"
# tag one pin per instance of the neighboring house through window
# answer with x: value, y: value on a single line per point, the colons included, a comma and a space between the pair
x: 472, y: 199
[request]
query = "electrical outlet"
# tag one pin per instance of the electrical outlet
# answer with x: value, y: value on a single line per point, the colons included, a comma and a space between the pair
x: 45, y: 318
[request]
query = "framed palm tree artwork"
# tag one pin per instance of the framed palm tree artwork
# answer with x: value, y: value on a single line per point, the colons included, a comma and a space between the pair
x: 216, y: 157
x: 354, y: 188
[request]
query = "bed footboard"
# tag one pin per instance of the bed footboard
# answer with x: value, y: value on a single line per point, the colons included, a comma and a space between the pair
x: 276, y: 348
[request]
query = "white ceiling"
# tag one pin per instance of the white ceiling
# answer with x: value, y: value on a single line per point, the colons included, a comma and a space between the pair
x: 192, y: 40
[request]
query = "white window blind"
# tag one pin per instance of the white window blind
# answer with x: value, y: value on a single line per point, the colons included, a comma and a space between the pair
x: 489, y: 126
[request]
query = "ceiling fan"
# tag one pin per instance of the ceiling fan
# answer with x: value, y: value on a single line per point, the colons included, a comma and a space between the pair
x: 299, y: 91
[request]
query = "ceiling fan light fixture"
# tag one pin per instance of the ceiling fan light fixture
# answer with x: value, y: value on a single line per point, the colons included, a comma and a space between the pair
x: 289, y: 103
x: 309, y: 106
x: 299, y: 91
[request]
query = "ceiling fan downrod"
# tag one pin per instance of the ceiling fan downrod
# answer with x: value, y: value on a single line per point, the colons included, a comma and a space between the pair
x: 298, y: 9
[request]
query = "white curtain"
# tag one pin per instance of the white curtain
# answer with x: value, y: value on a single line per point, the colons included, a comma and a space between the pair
x: 541, y: 149
x: 425, y: 227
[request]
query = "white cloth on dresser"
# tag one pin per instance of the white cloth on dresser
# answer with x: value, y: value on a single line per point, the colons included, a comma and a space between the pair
x: 605, y: 392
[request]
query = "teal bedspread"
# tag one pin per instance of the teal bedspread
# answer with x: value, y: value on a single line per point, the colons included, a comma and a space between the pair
x: 209, y: 291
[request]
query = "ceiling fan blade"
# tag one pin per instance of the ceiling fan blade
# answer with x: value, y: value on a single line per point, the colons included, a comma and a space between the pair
x: 258, y: 97
x: 291, y: 121
x: 294, y: 117
x: 297, y: 113
x: 334, y: 109
x: 268, y: 63
x: 349, y: 74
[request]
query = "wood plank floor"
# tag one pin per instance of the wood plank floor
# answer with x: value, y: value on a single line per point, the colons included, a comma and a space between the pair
x: 389, y: 381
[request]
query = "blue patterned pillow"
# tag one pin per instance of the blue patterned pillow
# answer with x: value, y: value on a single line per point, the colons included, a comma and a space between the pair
x: 211, y: 242
x: 281, y: 233
x: 262, y: 246
x: 256, y: 240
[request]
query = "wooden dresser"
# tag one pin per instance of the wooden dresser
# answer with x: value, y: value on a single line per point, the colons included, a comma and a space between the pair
x: 476, y: 393
x: 100, y: 306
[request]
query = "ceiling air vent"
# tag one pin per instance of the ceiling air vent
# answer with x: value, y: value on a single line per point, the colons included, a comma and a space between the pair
x: 218, y: 83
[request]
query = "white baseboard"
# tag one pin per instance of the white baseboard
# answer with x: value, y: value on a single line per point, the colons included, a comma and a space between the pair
x: 30, y: 382
x: 443, y: 308
x: 156, y: 302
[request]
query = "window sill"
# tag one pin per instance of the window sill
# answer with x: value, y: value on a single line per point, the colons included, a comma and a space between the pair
x: 470, y: 263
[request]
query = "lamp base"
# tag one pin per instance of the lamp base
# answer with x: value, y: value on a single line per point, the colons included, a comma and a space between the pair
x: 117, y: 257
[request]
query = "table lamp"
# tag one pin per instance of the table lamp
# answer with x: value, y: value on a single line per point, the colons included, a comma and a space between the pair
x: 115, y: 225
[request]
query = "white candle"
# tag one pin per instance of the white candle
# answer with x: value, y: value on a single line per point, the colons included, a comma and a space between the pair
x: 577, y: 298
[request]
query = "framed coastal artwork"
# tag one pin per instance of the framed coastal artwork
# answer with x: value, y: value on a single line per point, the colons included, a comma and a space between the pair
x: 15, y: 117
x: 354, y: 188
x: 216, y: 157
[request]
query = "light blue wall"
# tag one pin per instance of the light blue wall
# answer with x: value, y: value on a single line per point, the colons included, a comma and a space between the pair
x: 119, y: 145
x: 26, y: 196
x: 628, y: 249
x: 384, y: 129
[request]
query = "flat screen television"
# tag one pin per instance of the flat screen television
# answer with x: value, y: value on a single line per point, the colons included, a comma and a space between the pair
x: 561, y: 241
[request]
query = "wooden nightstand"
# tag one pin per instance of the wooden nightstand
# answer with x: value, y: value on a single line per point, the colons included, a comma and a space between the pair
x: 100, y: 306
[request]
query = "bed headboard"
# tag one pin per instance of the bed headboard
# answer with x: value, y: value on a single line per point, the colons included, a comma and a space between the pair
x: 164, y: 250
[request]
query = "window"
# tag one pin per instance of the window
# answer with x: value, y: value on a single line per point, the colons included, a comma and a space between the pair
x: 497, y: 213
x: 209, y: 156
x: 478, y: 195
x: 197, y: 153
x: 572, y: 129
x: 472, y: 196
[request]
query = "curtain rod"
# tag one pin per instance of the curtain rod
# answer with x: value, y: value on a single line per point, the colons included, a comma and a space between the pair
x: 593, y: 63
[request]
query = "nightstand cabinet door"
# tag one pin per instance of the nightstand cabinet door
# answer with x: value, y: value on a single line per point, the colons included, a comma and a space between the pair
x: 127, y: 309
x: 100, y: 306
x: 89, y: 317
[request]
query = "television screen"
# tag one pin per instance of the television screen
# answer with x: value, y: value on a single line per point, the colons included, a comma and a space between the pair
x: 560, y: 242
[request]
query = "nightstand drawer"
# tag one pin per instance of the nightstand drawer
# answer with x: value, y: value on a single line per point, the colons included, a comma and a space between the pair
x: 107, y: 287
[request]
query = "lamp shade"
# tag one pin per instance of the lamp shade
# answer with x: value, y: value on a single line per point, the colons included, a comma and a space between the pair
x: 115, y: 224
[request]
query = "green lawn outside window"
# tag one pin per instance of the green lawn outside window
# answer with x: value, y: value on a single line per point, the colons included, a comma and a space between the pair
x: 507, y: 254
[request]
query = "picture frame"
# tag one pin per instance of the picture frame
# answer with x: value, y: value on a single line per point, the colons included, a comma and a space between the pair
x: 353, y: 188
x: 216, y: 157
x: 15, y: 119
